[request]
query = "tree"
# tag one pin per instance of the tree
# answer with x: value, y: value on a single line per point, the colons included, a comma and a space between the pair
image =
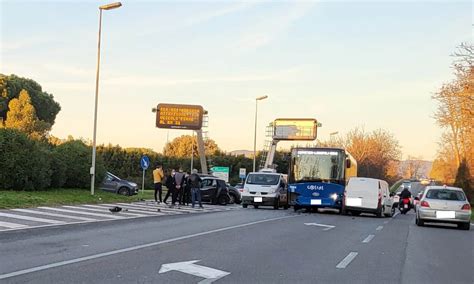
x: 184, y: 145
x: 455, y: 111
x: 45, y: 105
x: 412, y: 167
x: 464, y: 180
x: 22, y: 116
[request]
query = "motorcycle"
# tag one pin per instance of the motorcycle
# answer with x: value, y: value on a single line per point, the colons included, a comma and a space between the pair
x: 404, y: 205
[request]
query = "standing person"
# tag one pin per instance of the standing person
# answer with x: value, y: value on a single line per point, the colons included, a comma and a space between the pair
x: 170, y: 185
x: 158, y: 176
x: 186, y: 189
x: 179, y: 182
x: 195, y: 181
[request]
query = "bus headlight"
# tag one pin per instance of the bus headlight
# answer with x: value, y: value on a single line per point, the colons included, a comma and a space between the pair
x: 334, y: 196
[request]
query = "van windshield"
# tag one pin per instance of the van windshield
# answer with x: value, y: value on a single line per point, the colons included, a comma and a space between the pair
x: 263, y: 179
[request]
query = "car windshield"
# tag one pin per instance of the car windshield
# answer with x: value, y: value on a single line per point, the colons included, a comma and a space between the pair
x: 445, y: 194
x: 317, y: 165
x: 113, y: 176
x: 263, y: 179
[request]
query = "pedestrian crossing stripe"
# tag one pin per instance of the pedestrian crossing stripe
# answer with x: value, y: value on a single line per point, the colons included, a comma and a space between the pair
x: 44, y: 216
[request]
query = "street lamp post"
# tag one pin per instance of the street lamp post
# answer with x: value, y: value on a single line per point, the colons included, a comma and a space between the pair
x: 92, y: 169
x: 255, y: 134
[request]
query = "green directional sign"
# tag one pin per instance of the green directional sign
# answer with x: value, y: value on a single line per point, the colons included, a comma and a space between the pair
x: 221, y: 172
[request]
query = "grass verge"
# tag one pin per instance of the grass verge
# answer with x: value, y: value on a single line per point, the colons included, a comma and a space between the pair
x: 53, y: 197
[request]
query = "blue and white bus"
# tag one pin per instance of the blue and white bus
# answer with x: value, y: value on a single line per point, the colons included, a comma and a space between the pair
x: 317, y: 177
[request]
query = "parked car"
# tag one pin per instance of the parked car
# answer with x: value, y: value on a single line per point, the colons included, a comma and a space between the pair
x: 234, y: 194
x: 214, y: 190
x: 444, y: 204
x: 368, y: 195
x: 112, y: 183
x: 265, y: 189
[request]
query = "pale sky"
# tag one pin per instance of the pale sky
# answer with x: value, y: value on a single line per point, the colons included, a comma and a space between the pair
x: 346, y: 63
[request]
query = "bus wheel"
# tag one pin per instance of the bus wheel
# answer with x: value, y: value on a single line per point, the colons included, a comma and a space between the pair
x: 255, y: 206
x: 296, y: 207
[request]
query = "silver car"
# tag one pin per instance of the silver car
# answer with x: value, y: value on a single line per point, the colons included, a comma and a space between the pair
x: 444, y: 204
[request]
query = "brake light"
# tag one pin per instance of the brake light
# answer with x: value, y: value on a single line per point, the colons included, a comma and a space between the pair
x: 424, y: 204
x: 466, y: 207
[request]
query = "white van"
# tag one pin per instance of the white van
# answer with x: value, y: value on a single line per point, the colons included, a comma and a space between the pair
x: 368, y: 195
x: 265, y: 188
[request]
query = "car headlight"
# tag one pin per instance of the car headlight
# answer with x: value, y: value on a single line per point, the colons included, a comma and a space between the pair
x: 334, y: 196
x: 132, y: 184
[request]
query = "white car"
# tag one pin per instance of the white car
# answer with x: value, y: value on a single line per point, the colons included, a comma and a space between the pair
x: 368, y: 195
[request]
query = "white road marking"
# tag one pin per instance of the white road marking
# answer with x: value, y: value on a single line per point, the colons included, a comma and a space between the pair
x: 163, y: 209
x: 12, y: 225
x: 143, y: 213
x: 28, y: 218
x: 53, y: 214
x: 82, y: 212
x: 189, y: 267
x: 328, y: 227
x: 379, y: 228
x: 385, y: 222
x: 396, y: 213
x: 346, y: 261
x: 368, y: 239
x: 114, y: 252
x: 104, y: 210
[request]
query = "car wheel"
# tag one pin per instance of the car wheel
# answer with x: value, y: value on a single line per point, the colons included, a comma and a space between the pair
x: 393, y: 210
x: 355, y: 213
x: 223, y: 200
x: 255, y: 206
x: 296, y: 207
x: 276, y: 206
x: 124, y: 191
x: 464, y: 226
x: 245, y: 205
x: 419, y: 222
x: 379, y: 212
x: 286, y: 207
x: 231, y: 199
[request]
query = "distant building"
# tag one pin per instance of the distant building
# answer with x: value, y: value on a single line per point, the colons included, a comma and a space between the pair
x: 246, y: 153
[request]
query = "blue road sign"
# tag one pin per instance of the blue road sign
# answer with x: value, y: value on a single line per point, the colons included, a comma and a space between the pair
x: 145, y: 162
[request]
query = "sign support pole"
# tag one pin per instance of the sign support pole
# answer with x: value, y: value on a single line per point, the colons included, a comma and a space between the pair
x: 143, y: 183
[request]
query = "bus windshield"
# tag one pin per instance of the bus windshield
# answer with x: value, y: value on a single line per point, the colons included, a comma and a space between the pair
x: 317, y: 165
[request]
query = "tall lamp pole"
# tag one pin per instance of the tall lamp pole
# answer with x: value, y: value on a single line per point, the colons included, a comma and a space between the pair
x: 92, y: 169
x: 255, y: 134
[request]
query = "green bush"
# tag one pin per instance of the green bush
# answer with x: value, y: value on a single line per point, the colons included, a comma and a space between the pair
x: 25, y: 164
x: 72, y: 161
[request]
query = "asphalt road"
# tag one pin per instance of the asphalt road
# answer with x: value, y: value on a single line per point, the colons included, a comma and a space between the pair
x: 246, y: 246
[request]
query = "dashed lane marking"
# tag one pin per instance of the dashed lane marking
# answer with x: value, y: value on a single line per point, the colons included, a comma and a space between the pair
x: 379, y: 228
x: 347, y: 260
x: 368, y: 239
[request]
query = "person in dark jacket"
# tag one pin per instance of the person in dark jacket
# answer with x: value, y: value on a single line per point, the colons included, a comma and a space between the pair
x: 179, y: 184
x: 186, y: 190
x: 170, y: 185
x: 195, y: 183
x: 405, y: 193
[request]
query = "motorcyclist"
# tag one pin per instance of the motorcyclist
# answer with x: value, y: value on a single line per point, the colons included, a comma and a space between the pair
x: 405, y: 194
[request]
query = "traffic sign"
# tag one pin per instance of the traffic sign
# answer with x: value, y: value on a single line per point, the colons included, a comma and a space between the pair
x: 242, y: 173
x: 145, y: 162
x: 221, y: 172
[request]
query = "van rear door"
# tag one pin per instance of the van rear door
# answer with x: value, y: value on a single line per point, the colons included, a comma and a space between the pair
x: 362, y: 191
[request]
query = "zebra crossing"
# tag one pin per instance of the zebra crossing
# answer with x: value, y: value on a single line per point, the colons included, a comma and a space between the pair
x: 43, y: 216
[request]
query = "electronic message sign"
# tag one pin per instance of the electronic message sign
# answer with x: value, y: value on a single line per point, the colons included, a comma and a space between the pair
x: 295, y: 129
x: 178, y: 116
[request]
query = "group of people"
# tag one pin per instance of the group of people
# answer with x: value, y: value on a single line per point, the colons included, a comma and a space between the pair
x: 182, y: 187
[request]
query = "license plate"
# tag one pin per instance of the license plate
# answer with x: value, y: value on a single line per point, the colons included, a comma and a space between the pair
x: 405, y: 206
x: 257, y: 199
x: 315, y: 201
x: 445, y: 214
x: 351, y: 201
